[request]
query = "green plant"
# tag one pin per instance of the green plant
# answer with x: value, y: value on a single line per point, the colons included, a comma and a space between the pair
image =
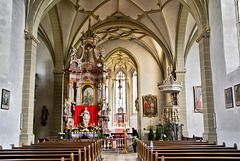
x: 158, y: 135
x: 134, y: 142
x: 100, y: 135
x: 150, y: 135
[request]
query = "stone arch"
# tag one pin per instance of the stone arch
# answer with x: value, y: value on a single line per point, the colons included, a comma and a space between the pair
x: 36, y: 11
x: 134, y: 59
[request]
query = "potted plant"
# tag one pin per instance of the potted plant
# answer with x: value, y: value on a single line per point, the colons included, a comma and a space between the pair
x: 61, y: 134
x: 151, y: 135
x: 158, y: 135
x: 165, y: 134
x: 134, y: 144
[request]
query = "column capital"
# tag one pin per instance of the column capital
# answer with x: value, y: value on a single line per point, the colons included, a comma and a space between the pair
x: 205, y: 34
x: 180, y: 71
x: 29, y: 36
x: 58, y: 72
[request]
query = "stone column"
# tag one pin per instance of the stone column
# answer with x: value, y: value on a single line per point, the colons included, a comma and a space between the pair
x: 58, y: 102
x: 182, y: 101
x: 207, y: 87
x: 26, y: 134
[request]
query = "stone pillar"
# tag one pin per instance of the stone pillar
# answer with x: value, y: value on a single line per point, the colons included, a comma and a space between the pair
x: 182, y: 101
x: 26, y: 135
x: 207, y: 88
x: 58, y: 102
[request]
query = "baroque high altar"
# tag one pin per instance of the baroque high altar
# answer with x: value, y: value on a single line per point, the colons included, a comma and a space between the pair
x: 85, y: 104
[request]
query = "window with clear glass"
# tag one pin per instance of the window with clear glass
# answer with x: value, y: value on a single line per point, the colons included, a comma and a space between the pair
x: 120, y: 90
x: 134, y: 78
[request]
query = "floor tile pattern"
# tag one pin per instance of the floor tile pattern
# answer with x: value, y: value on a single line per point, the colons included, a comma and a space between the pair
x: 118, y: 156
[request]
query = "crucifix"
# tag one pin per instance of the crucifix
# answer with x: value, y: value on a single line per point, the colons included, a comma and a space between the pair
x: 120, y: 78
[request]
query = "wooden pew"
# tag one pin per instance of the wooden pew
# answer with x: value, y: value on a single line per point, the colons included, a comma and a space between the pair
x: 87, y: 153
x: 196, y: 158
x: 36, y: 159
x: 179, y: 151
x: 69, y: 157
x: 81, y: 151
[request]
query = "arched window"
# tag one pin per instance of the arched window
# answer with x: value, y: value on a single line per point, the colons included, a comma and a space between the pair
x: 120, y: 90
x: 134, y: 78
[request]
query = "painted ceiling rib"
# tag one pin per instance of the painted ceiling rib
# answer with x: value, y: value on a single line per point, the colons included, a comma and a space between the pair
x: 165, y: 4
x: 126, y: 22
x: 177, y: 36
x: 84, y: 21
x: 150, y: 19
x: 73, y: 5
x: 57, y: 35
x: 166, y: 27
x: 181, y: 32
x: 69, y: 35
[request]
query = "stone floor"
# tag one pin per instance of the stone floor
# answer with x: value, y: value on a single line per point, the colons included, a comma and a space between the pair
x: 118, y: 156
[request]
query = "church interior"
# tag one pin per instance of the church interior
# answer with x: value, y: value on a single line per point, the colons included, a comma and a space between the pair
x: 113, y: 65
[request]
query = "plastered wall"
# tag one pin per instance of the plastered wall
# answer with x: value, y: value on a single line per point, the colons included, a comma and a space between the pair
x: 12, y: 21
x: 193, y: 78
x: 45, y: 89
x: 149, y: 76
x: 228, y: 127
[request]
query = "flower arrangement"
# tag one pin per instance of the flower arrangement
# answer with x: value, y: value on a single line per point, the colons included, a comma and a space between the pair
x: 61, y: 133
x: 75, y: 129
x: 80, y: 127
x: 134, y: 141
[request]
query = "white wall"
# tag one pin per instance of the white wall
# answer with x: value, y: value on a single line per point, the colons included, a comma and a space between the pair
x: 193, y: 78
x: 45, y: 89
x: 149, y: 75
x: 228, y: 127
x: 12, y: 21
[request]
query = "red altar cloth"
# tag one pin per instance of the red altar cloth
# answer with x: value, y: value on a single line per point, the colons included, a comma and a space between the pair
x: 93, y: 111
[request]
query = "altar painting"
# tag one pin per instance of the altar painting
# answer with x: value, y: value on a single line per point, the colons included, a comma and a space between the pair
x: 149, y: 106
x: 87, y: 95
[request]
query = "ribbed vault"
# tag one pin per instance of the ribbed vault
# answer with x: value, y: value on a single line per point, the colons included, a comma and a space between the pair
x: 130, y: 20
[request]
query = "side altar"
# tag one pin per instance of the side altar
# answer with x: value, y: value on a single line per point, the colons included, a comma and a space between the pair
x: 87, y: 74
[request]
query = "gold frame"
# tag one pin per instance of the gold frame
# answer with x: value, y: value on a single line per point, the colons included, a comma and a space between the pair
x: 235, y: 94
x: 200, y: 110
x: 5, y: 96
x: 228, y: 97
x: 150, y: 115
x: 87, y: 84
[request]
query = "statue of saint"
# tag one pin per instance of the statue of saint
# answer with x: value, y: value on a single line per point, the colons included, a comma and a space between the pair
x: 44, y: 116
x: 85, y: 116
x: 66, y: 108
x: 137, y: 105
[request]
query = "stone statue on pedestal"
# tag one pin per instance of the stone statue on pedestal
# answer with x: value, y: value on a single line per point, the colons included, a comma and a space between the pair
x: 85, y: 116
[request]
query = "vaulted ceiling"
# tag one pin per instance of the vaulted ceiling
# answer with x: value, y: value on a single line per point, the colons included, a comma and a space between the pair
x: 157, y: 25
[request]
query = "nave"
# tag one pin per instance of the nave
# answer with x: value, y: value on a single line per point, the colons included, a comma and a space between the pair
x: 117, y: 156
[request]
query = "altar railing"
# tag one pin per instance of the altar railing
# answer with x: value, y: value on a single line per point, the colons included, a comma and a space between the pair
x: 114, y: 144
x: 110, y: 144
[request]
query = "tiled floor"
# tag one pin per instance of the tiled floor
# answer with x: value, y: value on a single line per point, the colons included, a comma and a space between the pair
x: 118, y: 156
